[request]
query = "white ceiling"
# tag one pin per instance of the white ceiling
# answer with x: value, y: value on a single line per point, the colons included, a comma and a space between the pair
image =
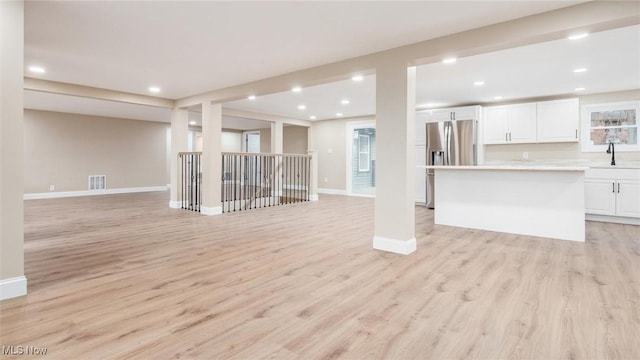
x: 188, y: 48
x: 546, y: 69
x: 78, y: 43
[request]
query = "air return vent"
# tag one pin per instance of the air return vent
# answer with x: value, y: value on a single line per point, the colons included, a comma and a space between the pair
x: 97, y: 182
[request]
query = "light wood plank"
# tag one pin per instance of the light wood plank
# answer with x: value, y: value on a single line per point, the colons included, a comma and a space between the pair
x: 123, y: 276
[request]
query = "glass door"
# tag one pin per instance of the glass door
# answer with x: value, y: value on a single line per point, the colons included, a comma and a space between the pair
x: 362, y: 174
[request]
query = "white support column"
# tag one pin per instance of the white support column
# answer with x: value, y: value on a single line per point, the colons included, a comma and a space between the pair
x: 277, y: 129
x: 312, y: 150
x: 211, y: 159
x: 179, y: 135
x: 276, y: 137
x: 13, y: 283
x: 313, y: 181
x: 395, y: 118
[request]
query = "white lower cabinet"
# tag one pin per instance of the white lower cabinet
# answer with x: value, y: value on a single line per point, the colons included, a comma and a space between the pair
x: 613, y: 192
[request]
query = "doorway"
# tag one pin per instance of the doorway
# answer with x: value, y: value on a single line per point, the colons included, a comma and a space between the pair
x: 251, y: 142
x: 361, y: 159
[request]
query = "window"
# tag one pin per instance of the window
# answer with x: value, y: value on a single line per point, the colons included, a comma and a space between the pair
x: 611, y: 123
x: 363, y: 153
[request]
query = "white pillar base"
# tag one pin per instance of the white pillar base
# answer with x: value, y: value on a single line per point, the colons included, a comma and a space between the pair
x: 402, y: 247
x: 214, y: 210
x: 175, y: 204
x: 313, y: 197
x: 13, y: 287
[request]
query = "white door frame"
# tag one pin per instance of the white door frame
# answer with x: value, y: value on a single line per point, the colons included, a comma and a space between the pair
x: 245, y: 135
x: 351, y: 126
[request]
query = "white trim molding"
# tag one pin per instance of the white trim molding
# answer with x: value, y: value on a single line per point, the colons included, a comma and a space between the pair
x: 214, y: 210
x: 402, y: 247
x: 332, y: 191
x: 176, y: 204
x: 63, y: 194
x: 13, y: 287
x: 613, y: 219
x: 313, y: 197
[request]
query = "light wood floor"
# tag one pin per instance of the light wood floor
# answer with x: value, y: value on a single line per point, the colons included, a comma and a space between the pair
x: 123, y: 276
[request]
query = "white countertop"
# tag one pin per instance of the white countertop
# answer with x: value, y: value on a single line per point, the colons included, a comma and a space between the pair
x: 507, y: 167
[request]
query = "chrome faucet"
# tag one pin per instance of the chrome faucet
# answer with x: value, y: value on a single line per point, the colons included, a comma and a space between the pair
x: 612, y: 150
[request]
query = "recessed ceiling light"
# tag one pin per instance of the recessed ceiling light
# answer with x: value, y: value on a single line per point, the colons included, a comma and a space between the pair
x: 312, y: 117
x: 338, y: 114
x: 251, y: 97
x: 357, y: 78
x: 154, y: 89
x: 302, y: 107
x: 37, y: 69
x: 579, y: 89
x: 478, y: 83
x: 578, y: 36
x: 450, y: 60
x: 579, y: 70
x: 296, y: 89
x: 344, y: 102
x: 498, y: 98
x: 192, y: 122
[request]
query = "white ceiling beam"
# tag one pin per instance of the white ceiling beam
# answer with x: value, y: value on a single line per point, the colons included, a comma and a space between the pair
x: 94, y: 93
x: 264, y: 117
x: 552, y: 25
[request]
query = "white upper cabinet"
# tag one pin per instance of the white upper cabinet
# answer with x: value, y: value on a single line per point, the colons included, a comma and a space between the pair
x: 458, y: 113
x: 509, y: 124
x: 558, y: 120
x: 541, y: 122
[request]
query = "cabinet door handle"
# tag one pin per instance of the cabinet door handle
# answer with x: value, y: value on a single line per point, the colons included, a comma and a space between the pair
x: 613, y: 189
x: 506, y: 136
x: 618, y: 188
x: 509, y: 136
x: 576, y: 133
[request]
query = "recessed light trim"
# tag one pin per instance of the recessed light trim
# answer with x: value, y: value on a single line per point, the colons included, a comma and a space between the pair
x: 357, y: 78
x: 449, y: 60
x: 37, y: 69
x: 251, y: 97
x: 192, y: 122
x: 339, y: 114
x: 296, y: 89
x: 478, y: 83
x: 579, y: 89
x: 498, y: 98
x: 312, y: 117
x: 345, y: 102
x: 302, y: 107
x: 578, y: 36
x: 154, y: 89
x: 580, y: 70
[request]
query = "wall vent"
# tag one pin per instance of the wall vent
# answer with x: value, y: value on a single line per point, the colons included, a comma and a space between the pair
x: 97, y: 182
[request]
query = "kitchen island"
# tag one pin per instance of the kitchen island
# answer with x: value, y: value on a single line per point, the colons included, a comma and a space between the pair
x: 545, y: 201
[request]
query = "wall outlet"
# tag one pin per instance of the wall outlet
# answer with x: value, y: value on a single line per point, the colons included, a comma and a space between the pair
x: 525, y: 155
x: 52, y: 188
x: 326, y: 179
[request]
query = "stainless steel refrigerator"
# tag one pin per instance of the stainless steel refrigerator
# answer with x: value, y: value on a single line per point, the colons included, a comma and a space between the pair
x: 449, y: 143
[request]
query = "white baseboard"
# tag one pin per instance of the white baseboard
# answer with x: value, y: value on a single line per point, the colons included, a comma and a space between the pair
x: 613, y: 219
x: 175, y: 204
x: 313, y: 197
x: 403, y: 247
x: 332, y: 191
x: 63, y: 194
x: 214, y: 210
x: 13, y: 287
